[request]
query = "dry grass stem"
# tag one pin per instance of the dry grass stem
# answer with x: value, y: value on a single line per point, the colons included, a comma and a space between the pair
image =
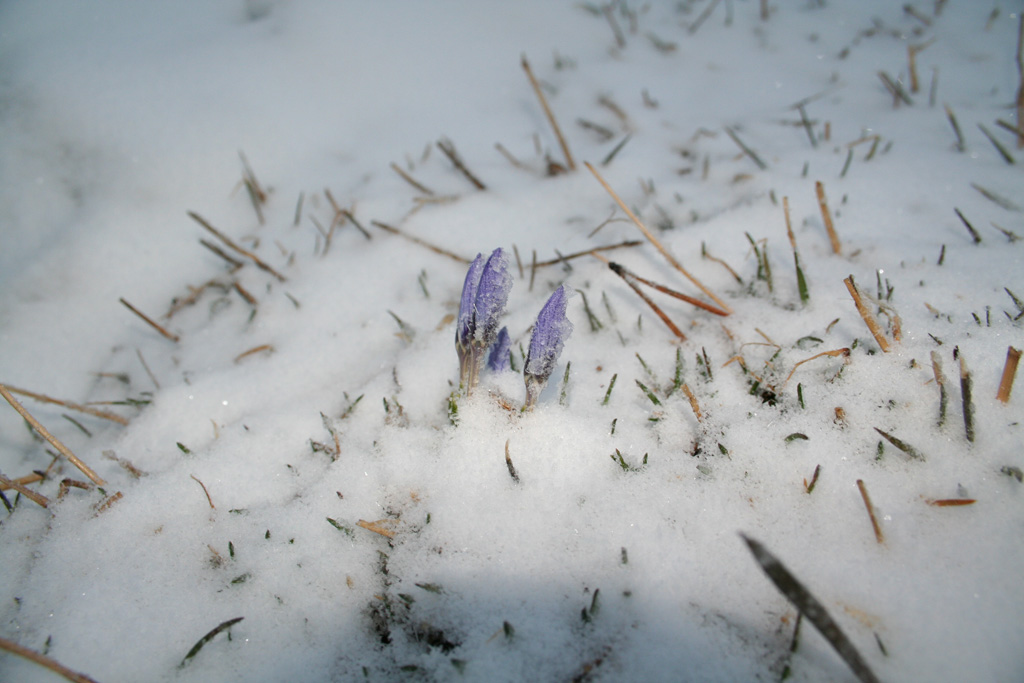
x: 653, y: 240
x: 694, y: 406
x: 152, y: 323
x: 746, y: 150
x: 940, y: 379
x: 511, y: 158
x: 18, y: 486
x: 654, y: 307
x: 69, y: 405
x: 951, y: 502
x: 871, y: 511
x: 912, y: 51
x: 826, y: 217
x: 44, y: 661
x: 869, y: 319
x: 1003, y: 152
x: 448, y: 148
x: 423, y: 243
x: 509, y: 465
x: 695, y: 26
x: 965, y: 396
x: 1009, y: 372
x: 845, y: 352
x: 626, y: 273
x: 569, y: 162
x: 233, y: 262
x: 706, y: 254
x: 253, y: 350
x: 897, y: 91
x: 376, y: 527
x: 256, y: 193
x: 412, y: 181
x: 208, y: 499
x: 42, y: 431
x: 231, y: 244
x: 108, y: 501
x: 589, y: 252
x: 1020, y: 88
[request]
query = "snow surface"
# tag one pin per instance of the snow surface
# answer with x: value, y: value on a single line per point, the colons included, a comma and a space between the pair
x: 117, y: 118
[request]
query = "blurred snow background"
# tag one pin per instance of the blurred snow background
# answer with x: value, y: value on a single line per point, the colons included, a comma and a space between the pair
x: 118, y: 118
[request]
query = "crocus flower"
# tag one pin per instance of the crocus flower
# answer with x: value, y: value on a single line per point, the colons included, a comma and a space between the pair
x: 498, y: 359
x: 549, y: 335
x: 484, y: 295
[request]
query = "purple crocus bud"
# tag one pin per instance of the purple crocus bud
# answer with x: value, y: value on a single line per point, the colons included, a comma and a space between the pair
x: 498, y: 360
x: 484, y: 295
x: 549, y: 335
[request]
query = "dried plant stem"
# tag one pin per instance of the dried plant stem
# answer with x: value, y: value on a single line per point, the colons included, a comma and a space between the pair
x: 42, y: 431
x: 448, y: 148
x: 965, y: 395
x: 811, y: 609
x: 70, y: 406
x: 654, y: 307
x: 869, y: 319
x: 44, y: 661
x: 253, y: 350
x: 1009, y: 372
x: 826, y: 216
x: 1020, y: 88
x: 231, y: 244
x: 960, y: 146
x: 845, y: 352
x: 801, y: 281
x: 653, y: 240
x: 626, y: 273
x: 871, y: 511
x: 940, y: 379
x: 746, y: 150
x: 694, y: 406
x: 208, y: 499
x: 412, y: 181
x: 423, y: 243
x: 152, y: 323
x: 376, y: 527
x: 589, y: 252
x: 18, y: 486
x: 547, y: 112
x: 509, y: 465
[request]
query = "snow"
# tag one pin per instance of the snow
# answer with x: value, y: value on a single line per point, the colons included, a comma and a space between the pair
x: 118, y: 118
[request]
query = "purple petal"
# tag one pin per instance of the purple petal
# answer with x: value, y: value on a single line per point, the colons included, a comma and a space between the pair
x: 491, y: 296
x: 498, y: 360
x: 549, y: 335
x: 465, y: 327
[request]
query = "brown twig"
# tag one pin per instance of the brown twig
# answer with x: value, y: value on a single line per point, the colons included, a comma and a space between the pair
x: 654, y: 307
x: 509, y: 465
x: 1009, y: 372
x: 588, y: 252
x: 152, y: 323
x: 653, y: 240
x: 547, y: 112
x: 826, y: 216
x: 871, y: 511
x: 1020, y: 89
x: 43, y: 432
x: 376, y: 527
x: 70, y: 406
x: 845, y: 352
x: 663, y: 289
x: 231, y: 244
x: 746, y: 150
x: 951, y: 502
x: 965, y: 396
x: 233, y: 262
x: 694, y: 406
x: 869, y: 319
x: 423, y: 243
x: 255, y: 349
x: 44, y: 661
x: 412, y: 181
x: 18, y: 486
x: 208, y: 499
x: 448, y: 147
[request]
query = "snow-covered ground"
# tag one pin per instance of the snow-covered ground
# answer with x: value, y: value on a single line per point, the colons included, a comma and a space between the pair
x: 353, y: 527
